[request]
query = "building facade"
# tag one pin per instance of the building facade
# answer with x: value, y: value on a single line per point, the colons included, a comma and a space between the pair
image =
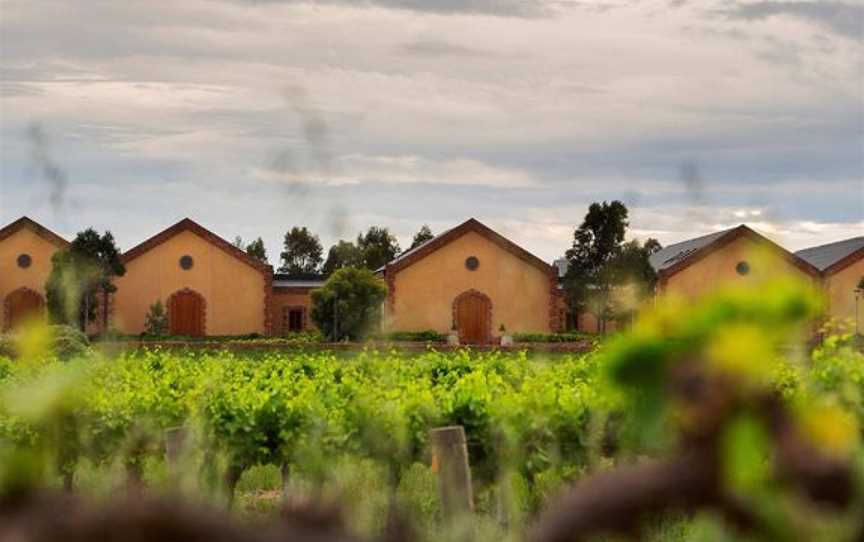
x: 472, y: 280
x: 26, y: 249
x: 207, y: 285
x: 739, y: 255
x: 469, y: 279
x: 842, y: 268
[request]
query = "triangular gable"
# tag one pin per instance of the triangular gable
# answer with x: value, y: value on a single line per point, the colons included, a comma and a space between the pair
x: 728, y: 237
x: 416, y: 254
x: 191, y: 226
x: 35, y: 227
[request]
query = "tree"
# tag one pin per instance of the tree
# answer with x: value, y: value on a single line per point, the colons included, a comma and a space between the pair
x: 348, y: 306
x: 425, y: 234
x: 342, y: 254
x: 599, y: 262
x: 378, y: 247
x: 156, y: 321
x: 632, y: 276
x: 302, y: 252
x: 256, y: 250
x: 78, y: 274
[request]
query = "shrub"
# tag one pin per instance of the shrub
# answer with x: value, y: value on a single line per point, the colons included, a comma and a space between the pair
x: 156, y: 323
x: 551, y: 337
x: 34, y: 342
x: 348, y: 306
x: 69, y: 342
x: 427, y: 335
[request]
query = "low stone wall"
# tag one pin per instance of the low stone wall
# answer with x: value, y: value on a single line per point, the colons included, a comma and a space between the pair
x: 240, y: 346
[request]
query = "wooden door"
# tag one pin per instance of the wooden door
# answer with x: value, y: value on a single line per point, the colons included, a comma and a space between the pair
x: 23, y: 305
x: 187, y: 314
x: 472, y: 318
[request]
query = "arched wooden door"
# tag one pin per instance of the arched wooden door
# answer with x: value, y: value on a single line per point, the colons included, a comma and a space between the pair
x: 473, y: 315
x: 22, y: 305
x: 186, y: 313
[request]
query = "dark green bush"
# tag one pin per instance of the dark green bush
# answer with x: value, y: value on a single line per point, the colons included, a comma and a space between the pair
x: 428, y: 335
x: 69, y: 342
x: 551, y: 337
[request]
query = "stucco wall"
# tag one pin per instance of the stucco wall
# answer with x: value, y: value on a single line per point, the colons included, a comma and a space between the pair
x: 718, y: 269
x: 234, y: 291
x: 12, y: 277
x: 840, y: 291
x: 424, y: 291
x: 290, y: 297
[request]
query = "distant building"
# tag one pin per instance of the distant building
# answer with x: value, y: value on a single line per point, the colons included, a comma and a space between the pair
x: 842, y: 267
x: 26, y: 249
x: 473, y: 280
x: 469, y: 278
x: 208, y: 285
x: 697, y: 266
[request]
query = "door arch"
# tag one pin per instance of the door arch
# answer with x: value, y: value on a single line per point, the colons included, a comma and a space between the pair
x: 187, y: 312
x: 21, y: 305
x: 472, y: 315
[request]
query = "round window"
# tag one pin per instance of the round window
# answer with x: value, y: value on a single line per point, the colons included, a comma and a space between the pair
x: 24, y: 261
x: 186, y: 262
x: 742, y: 268
x: 472, y: 263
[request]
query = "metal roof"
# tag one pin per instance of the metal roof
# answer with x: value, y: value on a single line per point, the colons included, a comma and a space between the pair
x: 672, y: 254
x: 824, y: 256
x: 309, y: 280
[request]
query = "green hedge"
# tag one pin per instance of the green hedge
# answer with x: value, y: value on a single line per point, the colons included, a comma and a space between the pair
x: 414, y: 336
x: 552, y: 337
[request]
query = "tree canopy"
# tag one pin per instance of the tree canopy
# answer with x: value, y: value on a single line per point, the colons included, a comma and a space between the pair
x: 302, y: 252
x: 78, y: 274
x: 348, y: 306
x: 342, y: 254
x: 255, y: 249
x: 425, y: 234
x: 605, y: 275
x: 378, y: 247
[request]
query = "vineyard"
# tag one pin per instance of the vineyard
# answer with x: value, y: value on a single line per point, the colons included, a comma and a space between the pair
x: 355, y: 426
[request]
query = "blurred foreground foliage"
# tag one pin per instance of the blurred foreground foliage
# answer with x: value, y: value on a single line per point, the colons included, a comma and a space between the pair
x: 533, y: 425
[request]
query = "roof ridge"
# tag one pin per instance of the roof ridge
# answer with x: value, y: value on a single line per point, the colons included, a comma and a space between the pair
x: 187, y: 224
x: 37, y: 228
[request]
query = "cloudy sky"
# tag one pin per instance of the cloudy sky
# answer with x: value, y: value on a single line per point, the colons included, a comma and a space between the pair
x: 253, y: 116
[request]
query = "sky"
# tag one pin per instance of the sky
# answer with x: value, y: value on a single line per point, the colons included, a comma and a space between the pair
x: 253, y: 116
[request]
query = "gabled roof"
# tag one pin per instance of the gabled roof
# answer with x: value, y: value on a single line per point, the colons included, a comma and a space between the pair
x: 191, y: 226
x: 35, y: 227
x: 679, y: 256
x: 419, y: 252
x: 833, y: 257
x: 668, y: 256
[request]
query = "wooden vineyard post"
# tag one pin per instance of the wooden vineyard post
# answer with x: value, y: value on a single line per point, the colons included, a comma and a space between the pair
x: 175, y: 439
x: 450, y: 463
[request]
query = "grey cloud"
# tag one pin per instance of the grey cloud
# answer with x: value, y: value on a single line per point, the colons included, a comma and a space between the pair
x: 504, y: 8
x: 438, y: 48
x: 9, y: 89
x: 842, y: 18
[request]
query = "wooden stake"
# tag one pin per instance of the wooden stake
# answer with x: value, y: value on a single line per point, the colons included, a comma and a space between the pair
x: 450, y: 463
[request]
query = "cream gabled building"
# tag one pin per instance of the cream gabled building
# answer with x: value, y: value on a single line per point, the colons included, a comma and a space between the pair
x: 738, y: 255
x: 474, y: 280
x: 469, y: 278
x: 842, y: 267
x: 207, y: 285
x: 26, y: 248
